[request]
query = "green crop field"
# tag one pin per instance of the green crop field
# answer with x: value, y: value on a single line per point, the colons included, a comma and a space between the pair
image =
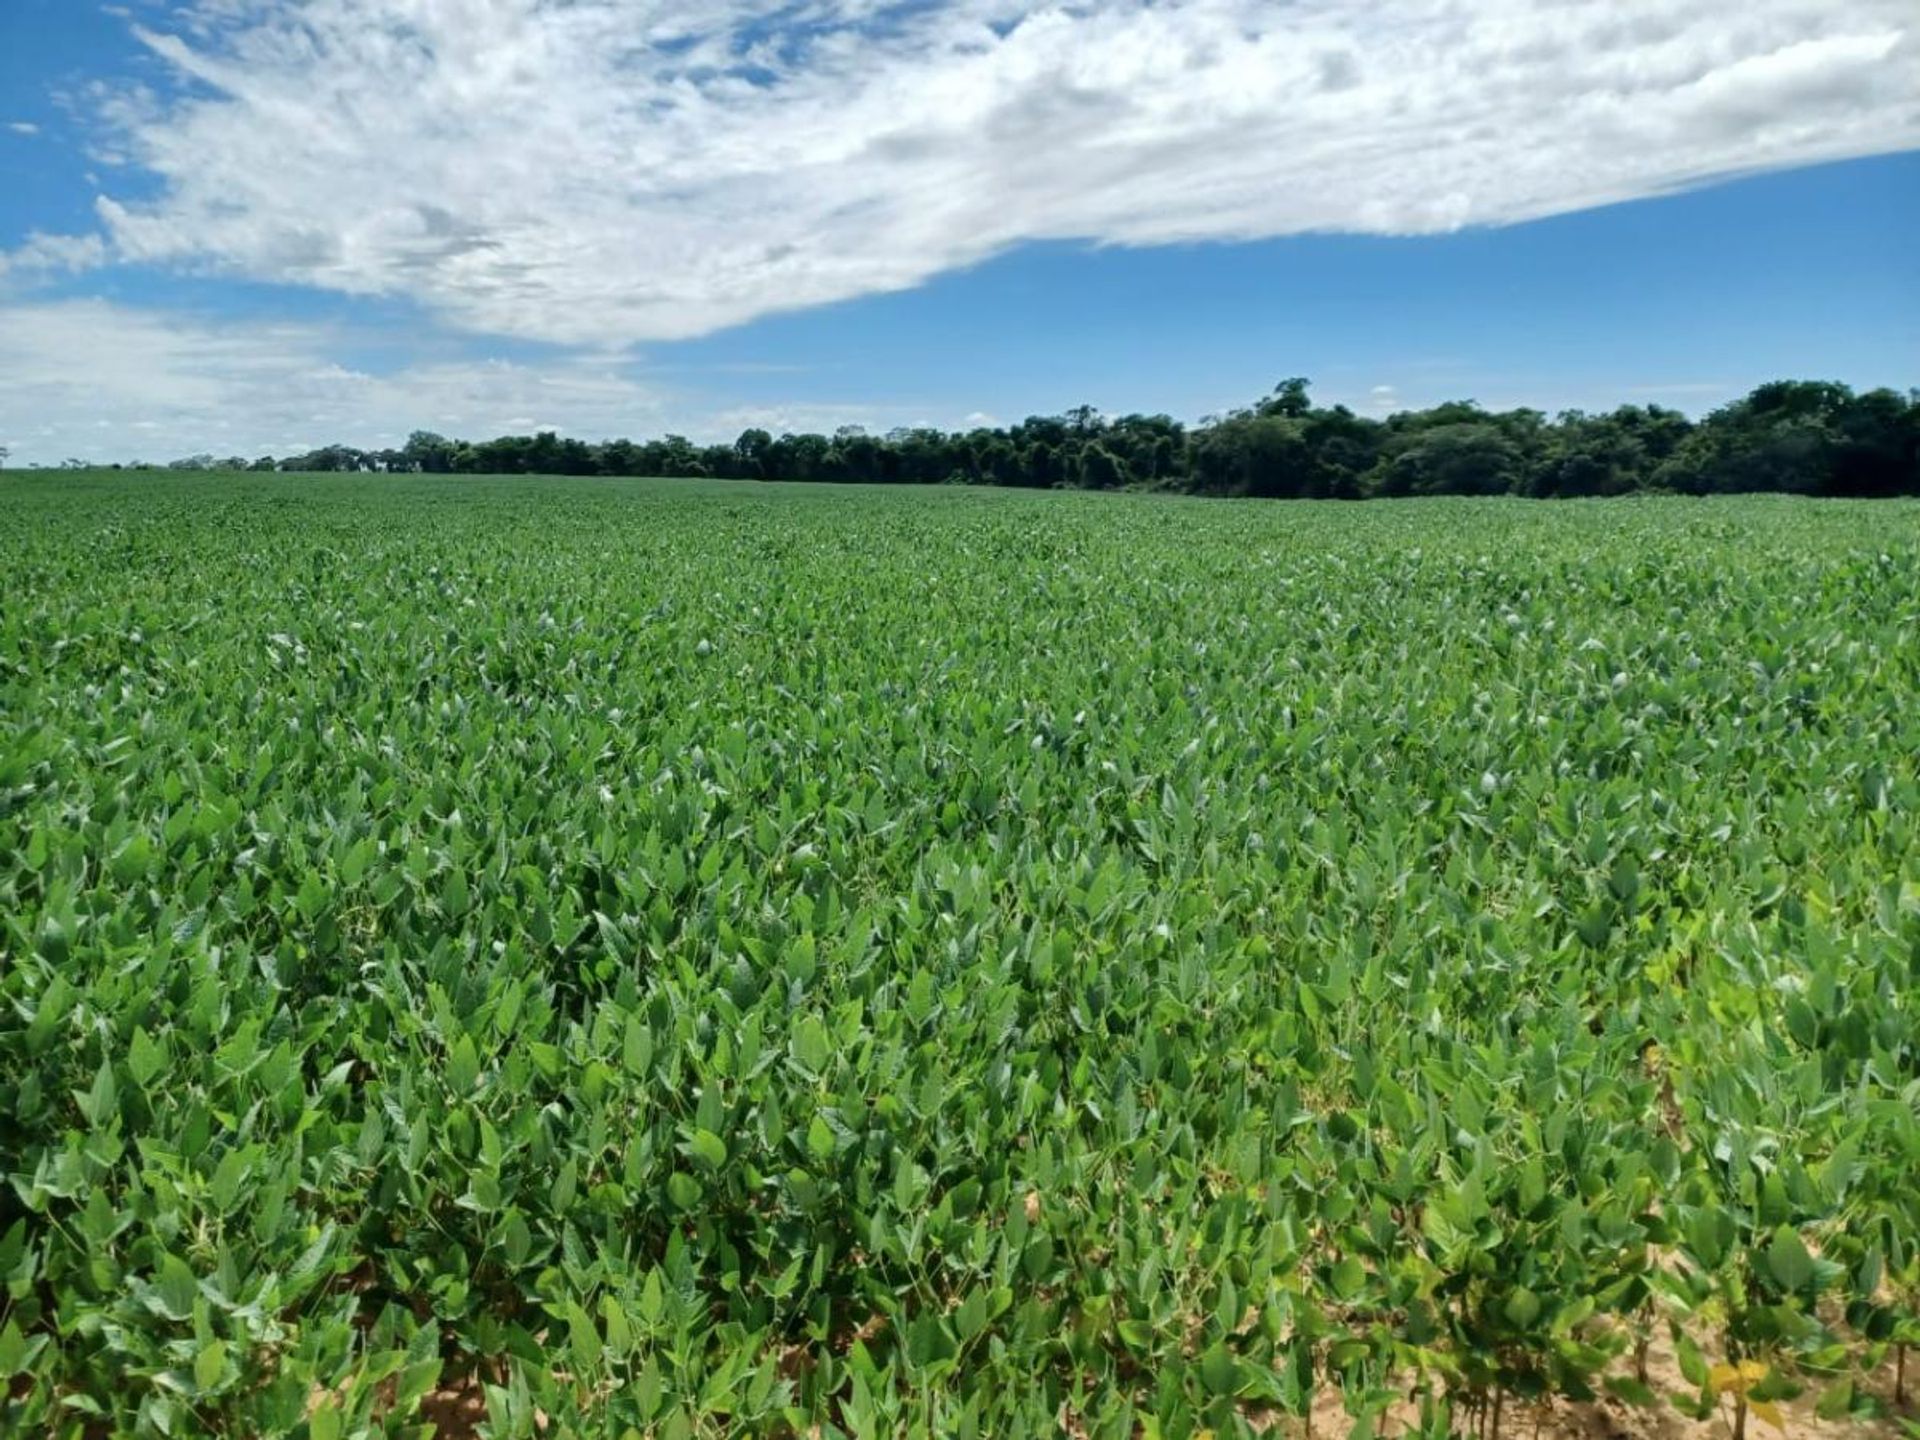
x: 571, y: 958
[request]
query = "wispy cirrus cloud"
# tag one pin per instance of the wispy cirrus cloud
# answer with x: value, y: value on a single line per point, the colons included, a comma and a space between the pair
x: 606, y: 172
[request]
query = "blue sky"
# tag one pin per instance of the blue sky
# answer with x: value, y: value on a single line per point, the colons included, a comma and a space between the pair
x: 254, y: 226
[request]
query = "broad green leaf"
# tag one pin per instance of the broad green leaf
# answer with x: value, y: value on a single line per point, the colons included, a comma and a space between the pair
x: 1219, y: 1371
x: 811, y: 1046
x: 1349, y: 1277
x: 210, y: 1364
x: 463, y: 1065
x: 176, y: 1288
x: 820, y: 1138
x: 1522, y: 1308
x: 1788, y: 1261
x: 583, y: 1339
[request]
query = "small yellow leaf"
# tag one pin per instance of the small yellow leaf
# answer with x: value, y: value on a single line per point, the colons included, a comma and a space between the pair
x: 1736, y: 1379
x: 1769, y: 1412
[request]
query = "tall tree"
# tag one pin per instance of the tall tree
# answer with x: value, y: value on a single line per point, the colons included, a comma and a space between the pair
x: 428, y: 452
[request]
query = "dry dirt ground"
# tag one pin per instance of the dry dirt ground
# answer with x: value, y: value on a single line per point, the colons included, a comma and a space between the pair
x: 1612, y: 1419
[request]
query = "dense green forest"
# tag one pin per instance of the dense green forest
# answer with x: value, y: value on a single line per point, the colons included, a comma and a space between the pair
x: 1807, y: 437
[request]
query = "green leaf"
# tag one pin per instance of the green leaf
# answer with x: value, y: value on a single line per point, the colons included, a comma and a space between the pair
x: 1522, y: 1308
x: 312, y: 896
x: 463, y: 1065
x: 619, y: 1332
x: 1788, y: 1261
x: 684, y: 1191
x: 971, y: 1318
x: 102, y: 1101
x: 652, y: 1298
x: 927, y: 1340
x: 483, y: 1190
x: 708, y: 1148
x: 228, y: 1176
x: 566, y: 1186
x: 1219, y: 1371
x: 801, y: 964
x: 54, y: 945
x: 354, y: 863
x: 176, y: 1288
x: 811, y: 1046
x: 1693, y: 1365
x: 637, y: 1048
x: 146, y: 1057
x: 1836, y: 1401
x: 1709, y: 1235
x: 820, y: 1138
x: 210, y: 1364
x: 16, y: 1353
x: 1349, y: 1277
x: 1631, y: 1390
x: 413, y: 1383
x: 583, y: 1340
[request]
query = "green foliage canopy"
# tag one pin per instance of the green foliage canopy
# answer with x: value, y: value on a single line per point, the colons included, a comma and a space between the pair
x: 689, y: 959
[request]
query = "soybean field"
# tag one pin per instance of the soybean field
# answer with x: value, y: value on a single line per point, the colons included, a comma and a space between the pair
x: 535, y: 957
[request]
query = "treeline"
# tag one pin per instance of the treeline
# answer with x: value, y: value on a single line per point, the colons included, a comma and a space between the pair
x: 1804, y: 437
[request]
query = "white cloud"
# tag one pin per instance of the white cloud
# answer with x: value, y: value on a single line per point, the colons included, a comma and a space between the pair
x: 613, y: 171
x: 23, y: 127
x: 166, y: 384
x: 804, y: 416
x: 107, y: 382
x: 43, y: 255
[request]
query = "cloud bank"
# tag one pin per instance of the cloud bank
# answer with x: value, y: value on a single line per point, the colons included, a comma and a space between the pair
x: 608, y: 172
x: 101, y: 381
